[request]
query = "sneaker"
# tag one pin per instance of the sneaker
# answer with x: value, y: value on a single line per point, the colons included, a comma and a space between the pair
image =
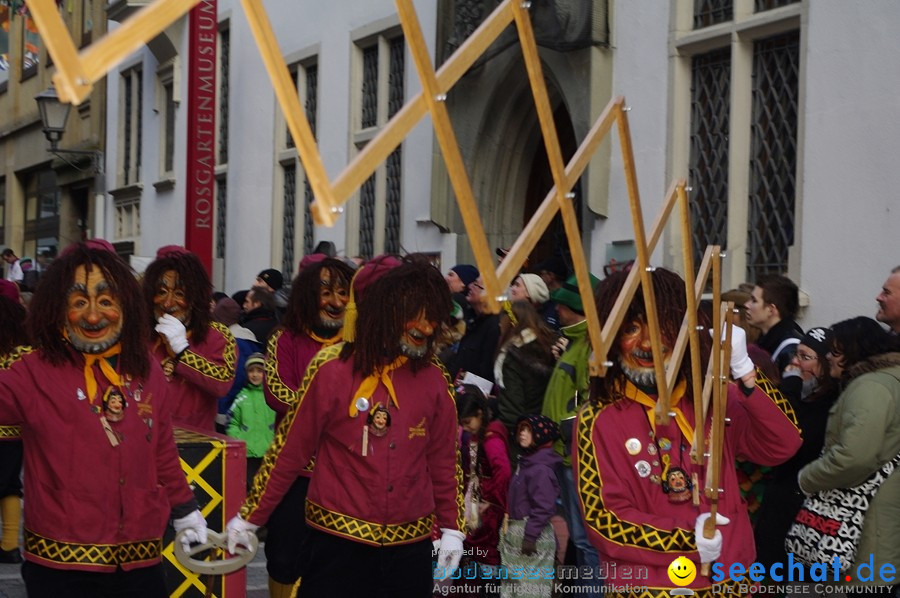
x: 12, y: 556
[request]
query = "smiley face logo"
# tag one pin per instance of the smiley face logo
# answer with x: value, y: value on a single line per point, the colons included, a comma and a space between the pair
x: 682, y: 571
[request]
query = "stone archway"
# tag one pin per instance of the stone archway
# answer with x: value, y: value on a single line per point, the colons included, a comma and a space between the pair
x: 510, y: 172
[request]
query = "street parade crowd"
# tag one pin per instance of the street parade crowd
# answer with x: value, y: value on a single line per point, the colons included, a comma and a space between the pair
x: 404, y: 441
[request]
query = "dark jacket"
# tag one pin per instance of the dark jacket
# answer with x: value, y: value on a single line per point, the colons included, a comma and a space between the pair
x: 260, y: 322
x: 781, y: 342
x: 526, y: 371
x: 534, y: 489
x: 783, y: 498
x: 476, y: 349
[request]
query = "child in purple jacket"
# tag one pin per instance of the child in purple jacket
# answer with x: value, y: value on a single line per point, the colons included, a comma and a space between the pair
x: 528, y: 547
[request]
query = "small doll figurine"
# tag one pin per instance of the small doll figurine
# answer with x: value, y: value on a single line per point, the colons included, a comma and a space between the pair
x: 379, y: 420
x: 377, y: 423
x: 114, y: 404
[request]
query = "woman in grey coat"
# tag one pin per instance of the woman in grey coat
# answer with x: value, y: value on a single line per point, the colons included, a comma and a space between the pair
x: 863, y: 433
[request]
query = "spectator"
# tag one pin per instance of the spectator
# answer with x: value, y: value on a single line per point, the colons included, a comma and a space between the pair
x: 862, y: 434
x: 553, y: 271
x: 772, y: 308
x: 486, y: 472
x: 200, y: 369
x: 270, y: 279
x: 782, y: 498
x: 524, y: 362
x: 889, y: 301
x: 460, y: 279
x: 478, y: 346
x: 14, y: 271
x: 566, y: 391
x: 532, y: 287
x: 635, y: 474
x: 259, y: 314
x: 250, y: 419
x: 227, y: 312
x: 529, y: 540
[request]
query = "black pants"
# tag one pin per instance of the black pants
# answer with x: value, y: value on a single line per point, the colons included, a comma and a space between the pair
x: 339, y: 568
x: 285, y: 533
x: 44, y: 582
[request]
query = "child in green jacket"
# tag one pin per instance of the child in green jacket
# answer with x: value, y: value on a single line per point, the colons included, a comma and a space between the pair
x: 250, y: 419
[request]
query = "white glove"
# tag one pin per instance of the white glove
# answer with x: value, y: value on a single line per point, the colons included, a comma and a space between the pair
x: 195, y: 526
x: 741, y: 365
x: 709, y: 548
x: 171, y: 327
x: 449, y: 553
x: 239, y: 532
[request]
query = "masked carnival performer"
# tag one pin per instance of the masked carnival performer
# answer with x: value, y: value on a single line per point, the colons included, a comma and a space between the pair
x: 96, y: 418
x: 379, y: 482
x: 635, y: 477
x: 314, y: 319
x: 197, y: 354
x: 12, y: 322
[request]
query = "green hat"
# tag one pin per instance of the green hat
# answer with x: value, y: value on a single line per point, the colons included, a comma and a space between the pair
x: 568, y: 294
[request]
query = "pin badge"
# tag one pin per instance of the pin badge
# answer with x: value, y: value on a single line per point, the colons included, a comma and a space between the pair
x: 362, y: 404
x: 643, y: 468
x: 651, y: 449
x: 80, y: 394
x: 665, y: 444
x: 633, y: 446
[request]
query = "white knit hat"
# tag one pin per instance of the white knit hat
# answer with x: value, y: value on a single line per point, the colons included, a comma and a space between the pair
x: 536, y: 288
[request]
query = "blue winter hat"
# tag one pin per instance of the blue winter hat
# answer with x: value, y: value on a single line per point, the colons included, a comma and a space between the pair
x: 466, y: 272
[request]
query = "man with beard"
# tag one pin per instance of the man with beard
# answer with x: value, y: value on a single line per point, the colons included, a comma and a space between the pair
x: 566, y: 390
x: 100, y: 490
x: 635, y: 477
x: 197, y: 354
x: 376, y: 492
x: 314, y: 319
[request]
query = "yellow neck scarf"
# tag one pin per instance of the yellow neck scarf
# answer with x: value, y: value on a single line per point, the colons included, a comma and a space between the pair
x: 90, y: 380
x: 368, y: 386
x: 326, y: 342
x: 635, y: 394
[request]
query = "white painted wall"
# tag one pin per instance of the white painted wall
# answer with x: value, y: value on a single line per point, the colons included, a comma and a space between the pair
x: 640, y: 70
x: 301, y: 24
x: 850, y: 226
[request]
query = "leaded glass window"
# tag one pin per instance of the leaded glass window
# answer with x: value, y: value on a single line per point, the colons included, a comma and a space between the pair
x: 287, y: 236
x: 224, y: 72
x: 392, y: 215
x: 312, y: 91
x: 308, y: 229
x: 710, y: 112
x: 367, y: 218
x: 370, y: 87
x: 773, y: 153
x: 221, y: 215
x: 289, y: 139
x: 711, y: 12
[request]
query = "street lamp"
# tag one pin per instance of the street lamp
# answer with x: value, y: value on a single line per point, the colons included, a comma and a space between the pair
x: 54, y: 115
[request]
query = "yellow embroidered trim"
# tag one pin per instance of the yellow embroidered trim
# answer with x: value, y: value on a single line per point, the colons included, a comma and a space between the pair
x: 209, y: 369
x: 272, y: 454
x: 376, y: 534
x: 103, y: 555
x: 13, y: 356
x: 604, y: 521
